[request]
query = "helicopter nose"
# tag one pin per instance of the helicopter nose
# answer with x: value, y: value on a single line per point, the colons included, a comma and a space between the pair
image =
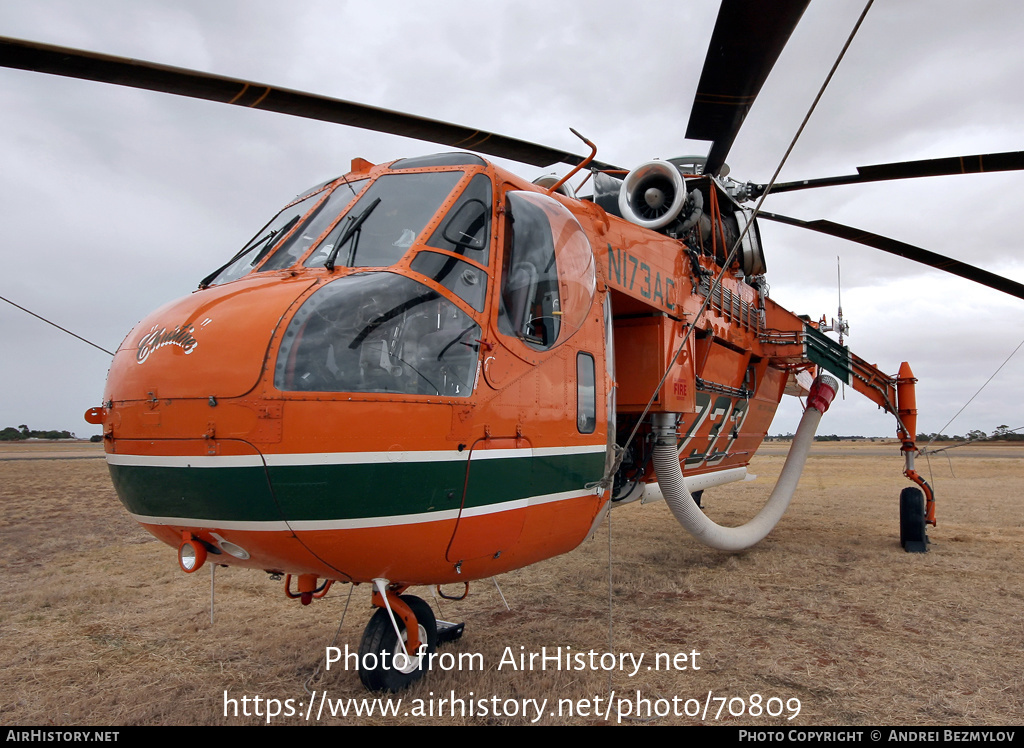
x: 210, y: 344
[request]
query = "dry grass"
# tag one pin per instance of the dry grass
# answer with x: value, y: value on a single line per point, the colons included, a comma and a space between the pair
x: 98, y: 626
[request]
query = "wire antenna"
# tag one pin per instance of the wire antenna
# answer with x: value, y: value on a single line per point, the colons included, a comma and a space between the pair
x: 54, y: 324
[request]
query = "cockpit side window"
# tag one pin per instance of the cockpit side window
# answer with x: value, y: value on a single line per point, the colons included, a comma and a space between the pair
x: 466, y: 281
x: 530, y: 305
x: 466, y: 230
x: 548, y: 277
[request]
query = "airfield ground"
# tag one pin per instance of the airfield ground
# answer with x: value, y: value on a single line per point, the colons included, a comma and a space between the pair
x: 99, y: 627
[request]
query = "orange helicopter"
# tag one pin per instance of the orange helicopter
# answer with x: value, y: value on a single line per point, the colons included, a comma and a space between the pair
x: 432, y: 371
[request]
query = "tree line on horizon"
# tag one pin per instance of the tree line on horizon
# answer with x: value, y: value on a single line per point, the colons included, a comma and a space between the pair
x: 1001, y: 433
x: 11, y: 434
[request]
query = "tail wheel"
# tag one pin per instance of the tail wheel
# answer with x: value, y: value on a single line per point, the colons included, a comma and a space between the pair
x: 381, y: 648
x: 912, y: 521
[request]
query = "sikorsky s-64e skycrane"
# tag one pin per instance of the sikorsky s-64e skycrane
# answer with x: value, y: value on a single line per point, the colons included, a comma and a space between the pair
x: 432, y: 371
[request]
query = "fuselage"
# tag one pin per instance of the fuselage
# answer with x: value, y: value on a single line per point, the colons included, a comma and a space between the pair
x: 415, y: 373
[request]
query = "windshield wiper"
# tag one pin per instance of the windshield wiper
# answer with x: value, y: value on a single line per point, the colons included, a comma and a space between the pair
x: 267, y: 241
x: 353, y: 226
x: 205, y: 282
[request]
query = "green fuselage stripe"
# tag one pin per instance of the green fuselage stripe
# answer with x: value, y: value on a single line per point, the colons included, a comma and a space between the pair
x: 340, y: 492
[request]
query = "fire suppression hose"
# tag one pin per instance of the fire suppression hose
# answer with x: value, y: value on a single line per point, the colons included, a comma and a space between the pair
x: 670, y: 476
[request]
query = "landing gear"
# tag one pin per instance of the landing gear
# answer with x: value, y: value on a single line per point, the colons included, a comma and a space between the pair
x: 392, y: 670
x: 913, y: 537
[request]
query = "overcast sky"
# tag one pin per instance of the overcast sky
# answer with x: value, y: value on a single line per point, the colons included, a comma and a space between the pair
x: 116, y: 201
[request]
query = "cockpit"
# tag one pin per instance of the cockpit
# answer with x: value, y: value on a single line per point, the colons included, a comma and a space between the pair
x: 408, y: 251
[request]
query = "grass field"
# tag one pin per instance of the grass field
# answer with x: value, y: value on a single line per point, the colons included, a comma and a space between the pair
x: 98, y: 625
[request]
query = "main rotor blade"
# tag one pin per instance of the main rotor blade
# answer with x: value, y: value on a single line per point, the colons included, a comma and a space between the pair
x: 923, y: 256
x: 123, y: 71
x: 748, y: 38
x: 933, y: 167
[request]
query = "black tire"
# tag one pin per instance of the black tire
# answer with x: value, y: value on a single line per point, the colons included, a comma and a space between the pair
x: 379, y: 636
x: 912, y: 522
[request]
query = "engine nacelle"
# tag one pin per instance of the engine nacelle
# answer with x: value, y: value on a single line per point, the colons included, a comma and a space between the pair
x: 653, y: 195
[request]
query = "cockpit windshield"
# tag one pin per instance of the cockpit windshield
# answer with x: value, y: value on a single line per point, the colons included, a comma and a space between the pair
x: 291, y: 249
x: 374, y: 231
x: 259, y: 247
x: 386, y: 220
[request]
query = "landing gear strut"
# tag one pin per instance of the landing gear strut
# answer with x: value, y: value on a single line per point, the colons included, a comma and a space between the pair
x: 399, y: 642
x: 917, y: 505
x: 387, y: 663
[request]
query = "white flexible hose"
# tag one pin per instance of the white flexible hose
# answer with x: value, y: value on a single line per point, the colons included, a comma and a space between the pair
x: 670, y: 477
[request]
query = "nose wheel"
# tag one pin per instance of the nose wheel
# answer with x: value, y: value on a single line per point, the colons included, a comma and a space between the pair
x: 384, y: 663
